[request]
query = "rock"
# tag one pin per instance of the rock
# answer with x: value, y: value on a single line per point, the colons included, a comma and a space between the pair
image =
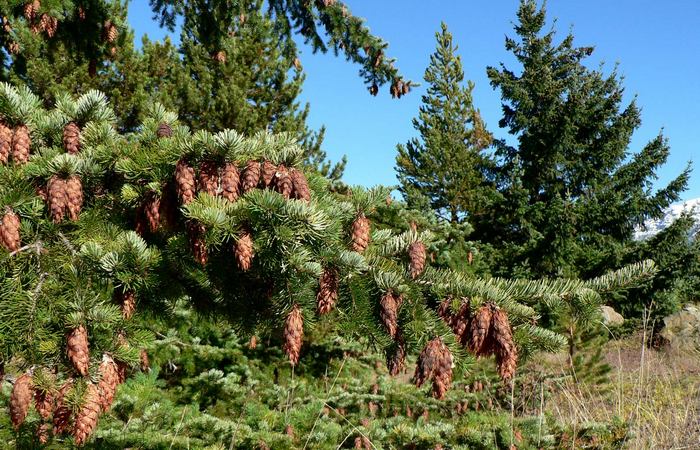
x: 682, y: 330
x: 610, y: 316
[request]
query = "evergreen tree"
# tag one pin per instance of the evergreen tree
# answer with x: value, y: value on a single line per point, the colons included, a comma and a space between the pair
x: 572, y: 191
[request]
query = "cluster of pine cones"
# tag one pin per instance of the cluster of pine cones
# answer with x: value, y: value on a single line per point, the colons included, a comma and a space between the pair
x: 15, y: 144
x: 486, y: 332
x: 39, y: 23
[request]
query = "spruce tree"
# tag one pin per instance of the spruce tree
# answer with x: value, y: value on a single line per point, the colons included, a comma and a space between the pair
x: 572, y: 189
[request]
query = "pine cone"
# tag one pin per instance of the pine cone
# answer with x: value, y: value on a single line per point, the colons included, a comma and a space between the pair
x: 208, y: 177
x: 479, y: 331
x: 9, y: 231
x: 219, y: 56
x: 30, y: 10
x: 396, y: 360
x: 71, y: 138
x: 185, y: 182
x: 109, y: 381
x: 74, y: 196
x: 244, y: 251
x: 435, y: 363
x: 289, y: 431
x: 127, y: 300
x: 230, y: 182
x: 13, y: 47
x: 49, y: 24
x: 58, y: 200
x: 78, y: 351
x: 269, y: 169
x: 327, y: 291
x: 87, y: 416
x: 253, y: 343
x: 460, y: 323
x: 360, y: 233
x: 164, y: 130
x: 20, y: 399
x: 21, y: 142
x: 63, y: 411
x: 283, y: 181
x: 44, y: 403
x: 416, y: 253
x: 195, y: 231
x: 42, y: 433
x: 145, y: 362
x: 109, y: 31
x: 389, y: 306
x: 505, y: 349
x: 301, y: 185
x: 5, y: 143
x: 293, y: 334
x: 151, y: 210
x: 251, y: 176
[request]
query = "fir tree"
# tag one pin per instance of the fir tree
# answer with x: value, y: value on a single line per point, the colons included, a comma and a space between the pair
x: 572, y: 191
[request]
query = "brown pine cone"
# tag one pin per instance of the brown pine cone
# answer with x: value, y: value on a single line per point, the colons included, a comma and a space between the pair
x: 74, y: 196
x: 127, y: 301
x: 230, y: 182
x: 360, y: 233
x: 71, y: 138
x: 396, y: 359
x: 5, y: 143
x: 164, y: 130
x: 30, y: 10
x: 185, y: 182
x: 109, y: 381
x: 9, y: 231
x: 293, y: 334
x: 208, y: 177
x: 301, y: 185
x: 505, y: 349
x: 327, y: 291
x: 289, y: 431
x: 63, y: 411
x: 435, y: 363
x: 389, y: 312
x: 244, y: 251
x: 42, y: 433
x: 20, y: 399
x: 250, y: 176
x: 283, y: 181
x: 44, y: 403
x: 195, y: 231
x: 87, y: 416
x: 57, y: 198
x: 21, y: 143
x: 151, y: 210
x: 78, y: 351
x: 460, y: 322
x: 416, y: 253
x: 145, y: 362
x: 49, y: 24
x: 253, y: 343
x: 269, y: 169
x: 109, y: 31
x: 479, y: 329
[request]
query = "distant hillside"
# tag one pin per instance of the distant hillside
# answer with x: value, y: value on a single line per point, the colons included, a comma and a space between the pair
x: 652, y: 227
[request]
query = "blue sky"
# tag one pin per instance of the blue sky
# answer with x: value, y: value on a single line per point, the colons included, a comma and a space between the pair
x: 656, y: 45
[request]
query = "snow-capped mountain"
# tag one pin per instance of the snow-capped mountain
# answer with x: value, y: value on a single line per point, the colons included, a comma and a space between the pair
x: 651, y: 227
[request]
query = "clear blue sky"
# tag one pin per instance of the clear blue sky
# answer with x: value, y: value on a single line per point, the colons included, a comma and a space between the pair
x: 657, y: 46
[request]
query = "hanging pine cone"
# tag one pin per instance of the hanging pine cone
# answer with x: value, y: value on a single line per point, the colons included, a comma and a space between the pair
x: 144, y: 361
x: 301, y: 185
x: 208, y: 177
x: 269, y: 169
x: 164, y: 130
x: 243, y: 251
x: 435, y: 363
x: 505, y: 349
x: 461, y: 321
x: 74, y: 196
x: 109, y: 31
x: 195, y: 231
x: 44, y: 403
x: 416, y: 253
x: 9, y: 231
x: 293, y: 334
x: 57, y: 198
x: 360, y: 233
x: 109, y: 381
x: 86, y: 418
x: 327, y: 291
x: 230, y: 182
x: 185, y: 182
x: 13, y: 47
x: 49, y: 24
x: 5, y: 143
x: 20, y: 399
x: 71, y: 138
x: 479, y: 327
x: 127, y: 301
x: 250, y: 176
x: 396, y: 359
x: 389, y: 306
x: 151, y: 211
x: 21, y: 142
x: 253, y: 342
x: 42, y: 433
x: 78, y: 352
x: 30, y: 10
x: 63, y: 411
x: 289, y: 431
x: 283, y: 181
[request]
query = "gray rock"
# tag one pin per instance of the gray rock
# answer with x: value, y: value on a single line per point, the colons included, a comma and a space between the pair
x: 682, y: 330
x: 610, y: 316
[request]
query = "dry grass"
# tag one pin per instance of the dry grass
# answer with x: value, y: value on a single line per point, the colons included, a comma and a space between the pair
x: 656, y: 392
